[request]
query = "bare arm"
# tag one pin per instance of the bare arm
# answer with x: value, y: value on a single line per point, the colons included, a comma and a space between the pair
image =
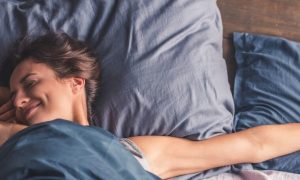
x: 9, y: 129
x: 170, y: 156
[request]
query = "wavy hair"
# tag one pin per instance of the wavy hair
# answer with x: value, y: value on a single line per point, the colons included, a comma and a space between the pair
x: 66, y: 56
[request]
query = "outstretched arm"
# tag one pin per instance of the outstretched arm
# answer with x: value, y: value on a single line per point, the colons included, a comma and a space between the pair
x: 170, y: 156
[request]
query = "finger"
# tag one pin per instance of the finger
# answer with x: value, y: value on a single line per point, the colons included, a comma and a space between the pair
x: 12, y: 120
x: 21, y: 121
x: 8, y: 115
x: 6, y: 107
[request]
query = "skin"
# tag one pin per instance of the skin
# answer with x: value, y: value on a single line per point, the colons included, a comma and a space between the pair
x: 65, y: 98
x: 38, y: 95
x: 170, y: 156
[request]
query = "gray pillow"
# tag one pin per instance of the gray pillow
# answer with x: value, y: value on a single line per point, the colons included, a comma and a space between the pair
x: 165, y: 74
x: 162, y: 66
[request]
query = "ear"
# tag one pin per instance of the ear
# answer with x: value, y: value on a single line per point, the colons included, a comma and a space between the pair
x: 77, y: 84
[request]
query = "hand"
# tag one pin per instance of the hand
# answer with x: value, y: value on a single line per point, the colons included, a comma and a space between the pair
x: 8, y: 113
x: 7, y: 130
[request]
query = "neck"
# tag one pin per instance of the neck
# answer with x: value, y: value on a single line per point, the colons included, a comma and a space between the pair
x: 80, y: 111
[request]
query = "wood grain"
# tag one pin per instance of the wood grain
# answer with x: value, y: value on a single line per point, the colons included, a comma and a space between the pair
x: 270, y: 17
x: 228, y: 53
x: 273, y: 17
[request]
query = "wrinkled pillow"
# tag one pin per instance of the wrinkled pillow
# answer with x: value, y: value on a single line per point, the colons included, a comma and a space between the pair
x: 267, y: 86
x: 162, y: 66
x: 166, y: 74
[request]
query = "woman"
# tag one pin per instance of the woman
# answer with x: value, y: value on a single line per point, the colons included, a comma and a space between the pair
x: 56, y: 77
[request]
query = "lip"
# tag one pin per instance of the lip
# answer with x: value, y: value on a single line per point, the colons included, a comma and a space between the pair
x: 30, y: 108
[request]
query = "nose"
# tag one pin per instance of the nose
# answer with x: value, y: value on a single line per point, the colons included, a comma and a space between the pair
x: 20, y: 100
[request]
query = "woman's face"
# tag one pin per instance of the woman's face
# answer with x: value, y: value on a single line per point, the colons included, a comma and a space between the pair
x: 39, y: 95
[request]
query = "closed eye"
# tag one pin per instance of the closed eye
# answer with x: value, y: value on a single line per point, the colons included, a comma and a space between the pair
x: 29, y: 84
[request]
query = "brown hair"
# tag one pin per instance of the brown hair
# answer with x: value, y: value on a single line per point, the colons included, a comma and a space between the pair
x: 66, y: 56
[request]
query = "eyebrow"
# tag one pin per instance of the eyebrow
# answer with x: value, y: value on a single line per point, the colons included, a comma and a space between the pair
x: 12, y: 94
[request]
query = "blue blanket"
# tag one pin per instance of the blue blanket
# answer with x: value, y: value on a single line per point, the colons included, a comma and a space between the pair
x: 266, y: 89
x: 63, y: 150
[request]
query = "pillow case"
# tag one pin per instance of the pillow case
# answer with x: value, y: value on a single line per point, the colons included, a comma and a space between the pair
x: 162, y: 67
x: 166, y: 75
x: 267, y: 86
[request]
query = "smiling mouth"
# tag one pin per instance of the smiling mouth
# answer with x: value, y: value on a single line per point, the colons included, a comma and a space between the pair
x: 30, y: 111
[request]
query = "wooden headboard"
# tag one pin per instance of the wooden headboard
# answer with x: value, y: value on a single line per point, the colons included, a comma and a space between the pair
x: 270, y: 17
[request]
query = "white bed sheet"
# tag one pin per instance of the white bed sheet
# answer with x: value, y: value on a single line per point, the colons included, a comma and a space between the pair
x: 257, y: 175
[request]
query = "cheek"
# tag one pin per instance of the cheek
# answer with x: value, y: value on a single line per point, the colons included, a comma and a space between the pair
x: 60, y: 99
x: 56, y: 97
x: 52, y: 91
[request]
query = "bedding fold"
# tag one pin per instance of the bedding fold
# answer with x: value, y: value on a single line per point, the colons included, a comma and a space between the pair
x: 63, y: 150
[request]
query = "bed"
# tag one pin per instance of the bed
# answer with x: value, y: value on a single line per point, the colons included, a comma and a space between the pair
x: 278, y: 18
x: 163, y: 70
x: 262, y: 53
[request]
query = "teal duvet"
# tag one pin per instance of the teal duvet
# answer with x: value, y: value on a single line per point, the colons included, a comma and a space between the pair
x: 63, y: 150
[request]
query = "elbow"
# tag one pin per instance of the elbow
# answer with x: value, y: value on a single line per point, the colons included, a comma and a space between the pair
x: 257, y: 147
x: 159, y: 165
x: 163, y: 163
x: 156, y: 154
x: 166, y: 156
x: 259, y: 152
